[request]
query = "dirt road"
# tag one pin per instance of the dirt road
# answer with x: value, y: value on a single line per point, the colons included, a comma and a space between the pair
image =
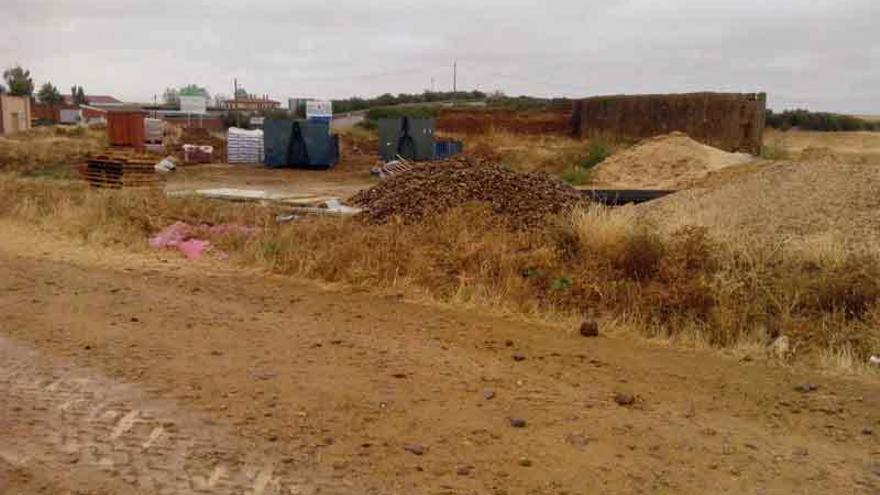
x: 127, y: 373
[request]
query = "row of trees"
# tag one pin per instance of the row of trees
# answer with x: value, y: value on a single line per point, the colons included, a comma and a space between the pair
x: 20, y: 83
x: 818, y: 121
x: 388, y: 99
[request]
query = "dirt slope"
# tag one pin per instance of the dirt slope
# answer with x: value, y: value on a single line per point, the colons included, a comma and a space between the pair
x: 295, y: 386
x: 802, y: 201
x: 671, y: 161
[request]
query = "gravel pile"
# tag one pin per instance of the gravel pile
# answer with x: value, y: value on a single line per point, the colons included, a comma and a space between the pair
x: 523, y: 199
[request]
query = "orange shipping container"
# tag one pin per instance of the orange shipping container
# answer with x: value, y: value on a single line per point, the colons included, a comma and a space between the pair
x: 126, y: 129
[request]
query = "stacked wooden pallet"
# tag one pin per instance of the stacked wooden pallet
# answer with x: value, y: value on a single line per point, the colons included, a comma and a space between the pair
x: 117, y: 169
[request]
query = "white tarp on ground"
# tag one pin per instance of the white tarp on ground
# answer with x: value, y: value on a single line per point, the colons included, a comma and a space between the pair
x: 244, y: 146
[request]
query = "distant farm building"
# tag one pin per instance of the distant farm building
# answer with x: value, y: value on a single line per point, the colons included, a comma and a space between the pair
x: 251, y: 104
x: 15, y: 113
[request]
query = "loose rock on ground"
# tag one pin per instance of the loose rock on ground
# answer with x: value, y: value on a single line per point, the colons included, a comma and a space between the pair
x: 524, y: 199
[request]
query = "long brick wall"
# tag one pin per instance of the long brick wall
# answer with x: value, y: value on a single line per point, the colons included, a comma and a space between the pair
x: 729, y: 121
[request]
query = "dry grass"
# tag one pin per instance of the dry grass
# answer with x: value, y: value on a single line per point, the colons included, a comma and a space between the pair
x: 855, y: 147
x: 591, y: 263
x: 556, y: 155
x: 49, y: 150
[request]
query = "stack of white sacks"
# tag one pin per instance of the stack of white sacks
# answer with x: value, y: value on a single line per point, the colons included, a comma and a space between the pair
x: 244, y: 146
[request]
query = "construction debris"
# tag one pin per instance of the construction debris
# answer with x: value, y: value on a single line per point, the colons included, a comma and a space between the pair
x: 167, y: 164
x: 524, y: 199
x: 394, y: 167
x: 198, y: 153
x: 186, y: 238
x: 258, y: 195
x: 244, y: 146
x: 118, y: 169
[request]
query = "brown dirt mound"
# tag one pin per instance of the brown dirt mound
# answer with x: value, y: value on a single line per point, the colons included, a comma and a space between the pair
x: 671, y: 161
x: 781, y: 202
x: 523, y: 199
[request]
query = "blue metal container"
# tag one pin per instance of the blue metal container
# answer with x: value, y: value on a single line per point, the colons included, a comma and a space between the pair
x: 447, y: 148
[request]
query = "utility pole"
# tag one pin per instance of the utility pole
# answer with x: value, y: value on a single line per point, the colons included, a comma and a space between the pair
x: 234, y: 102
x: 454, y: 77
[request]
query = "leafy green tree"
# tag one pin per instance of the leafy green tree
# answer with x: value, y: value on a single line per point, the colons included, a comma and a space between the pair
x: 19, y: 81
x: 78, y: 95
x: 49, y: 94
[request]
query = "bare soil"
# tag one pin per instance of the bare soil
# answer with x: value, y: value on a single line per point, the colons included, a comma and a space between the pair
x: 346, y: 178
x: 130, y: 373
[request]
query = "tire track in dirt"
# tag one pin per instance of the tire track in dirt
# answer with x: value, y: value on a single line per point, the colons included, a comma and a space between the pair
x: 83, y: 430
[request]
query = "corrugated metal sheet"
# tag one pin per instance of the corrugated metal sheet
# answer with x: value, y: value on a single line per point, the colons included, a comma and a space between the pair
x: 126, y: 129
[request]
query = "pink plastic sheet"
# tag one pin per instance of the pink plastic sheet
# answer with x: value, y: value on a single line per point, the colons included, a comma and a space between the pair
x: 182, y: 236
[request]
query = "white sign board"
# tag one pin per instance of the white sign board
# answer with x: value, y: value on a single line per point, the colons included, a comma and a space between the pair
x: 194, y: 105
x: 322, y: 109
x: 257, y: 121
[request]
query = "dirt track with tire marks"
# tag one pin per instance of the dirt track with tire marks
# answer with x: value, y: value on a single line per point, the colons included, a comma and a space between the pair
x: 79, y: 429
x: 136, y: 373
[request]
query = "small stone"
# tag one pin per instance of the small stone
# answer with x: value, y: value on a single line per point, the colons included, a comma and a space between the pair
x: 508, y: 343
x: 525, y: 462
x: 134, y: 319
x: 589, y: 328
x: 624, y: 399
x: 464, y: 470
x: 87, y: 347
x: 517, y: 422
x: 415, y: 448
x: 519, y: 357
x: 867, y: 432
x: 489, y: 394
x: 577, y: 440
x: 807, y: 388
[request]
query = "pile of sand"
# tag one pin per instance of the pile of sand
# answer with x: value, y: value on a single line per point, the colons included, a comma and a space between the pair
x: 671, y: 161
x: 523, y: 199
x: 783, y: 202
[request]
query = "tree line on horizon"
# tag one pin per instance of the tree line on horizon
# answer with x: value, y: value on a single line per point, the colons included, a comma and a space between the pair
x: 18, y: 82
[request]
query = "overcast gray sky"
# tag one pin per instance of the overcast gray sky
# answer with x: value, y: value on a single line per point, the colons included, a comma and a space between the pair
x: 820, y: 54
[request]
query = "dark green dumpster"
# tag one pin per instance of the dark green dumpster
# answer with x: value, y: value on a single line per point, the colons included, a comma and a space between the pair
x: 407, y: 137
x: 295, y: 143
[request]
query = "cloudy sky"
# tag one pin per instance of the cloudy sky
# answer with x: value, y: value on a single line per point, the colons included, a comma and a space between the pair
x: 820, y: 54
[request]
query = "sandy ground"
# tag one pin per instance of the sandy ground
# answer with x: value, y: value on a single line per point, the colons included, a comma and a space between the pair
x: 349, y: 176
x: 138, y: 373
x: 342, y: 184
x: 782, y: 202
x: 670, y: 161
x: 856, y: 147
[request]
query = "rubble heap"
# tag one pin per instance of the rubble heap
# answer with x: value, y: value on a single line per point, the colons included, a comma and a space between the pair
x: 523, y: 199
